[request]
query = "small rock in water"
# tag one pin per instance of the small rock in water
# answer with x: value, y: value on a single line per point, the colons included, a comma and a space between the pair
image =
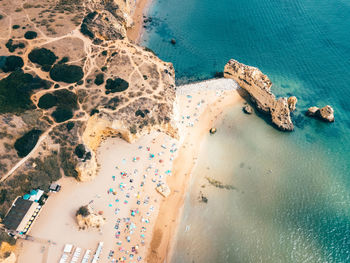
x: 203, y: 198
x: 173, y: 41
x: 326, y: 113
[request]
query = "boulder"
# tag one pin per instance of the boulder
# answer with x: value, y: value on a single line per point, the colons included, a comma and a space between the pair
x: 292, y: 101
x: 326, y: 113
x: 247, y: 109
x: 258, y: 86
x: 311, y: 112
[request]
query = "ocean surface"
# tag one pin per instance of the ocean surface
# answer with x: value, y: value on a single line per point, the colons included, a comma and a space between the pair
x: 291, y: 201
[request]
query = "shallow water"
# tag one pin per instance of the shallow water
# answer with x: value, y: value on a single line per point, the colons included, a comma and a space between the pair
x: 292, y: 202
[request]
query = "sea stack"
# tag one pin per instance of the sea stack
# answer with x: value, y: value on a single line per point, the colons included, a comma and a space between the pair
x: 258, y: 87
x: 326, y: 113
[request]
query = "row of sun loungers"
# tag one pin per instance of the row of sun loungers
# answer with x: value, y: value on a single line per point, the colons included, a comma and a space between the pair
x: 76, y: 255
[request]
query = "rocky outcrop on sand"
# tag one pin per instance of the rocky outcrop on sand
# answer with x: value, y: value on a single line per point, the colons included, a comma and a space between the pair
x: 10, y: 259
x: 326, y: 113
x: 7, y: 254
x: 258, y: 86
x: 84, y: 81
x: 247, y: 109
x: 87, y: 218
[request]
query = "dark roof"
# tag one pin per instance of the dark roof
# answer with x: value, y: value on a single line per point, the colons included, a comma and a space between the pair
x: 17, y: 212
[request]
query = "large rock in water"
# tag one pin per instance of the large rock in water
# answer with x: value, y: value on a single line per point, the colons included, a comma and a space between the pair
x: 258, y: 87
x: 326, y: 113
x: 292, y: 102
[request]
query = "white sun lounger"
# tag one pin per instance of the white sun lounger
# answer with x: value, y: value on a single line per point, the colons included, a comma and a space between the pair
x: 86, y: 256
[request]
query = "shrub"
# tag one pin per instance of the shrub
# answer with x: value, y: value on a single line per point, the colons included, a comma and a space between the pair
x: 63, y: 60
x: 47, y: 101
x: 15, y: 26
x: 66, y: 98
x: 99, y: 79
x: 70, y: 125
x: 12, y: 47
x: 83, y: 211
x: 80, y: 151
x: 62, y: 114
x: 42, y: 56
x: 85, y: 31
x: 30, y: 35
x: 15, y: 91
x: 94, y: 111
x: 116, y: 85
x: 27, y: 142
x: 12, y: 63
x: 66, y: 73
x: 61, y: 98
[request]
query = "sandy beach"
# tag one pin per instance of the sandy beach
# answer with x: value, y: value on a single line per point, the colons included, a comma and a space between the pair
x: 140, y: 223
x: 205, y: 102
x: 134, y: 33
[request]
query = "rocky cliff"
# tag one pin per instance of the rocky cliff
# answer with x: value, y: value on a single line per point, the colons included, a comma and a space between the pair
x: 70, y: 78
x: 258, y: 86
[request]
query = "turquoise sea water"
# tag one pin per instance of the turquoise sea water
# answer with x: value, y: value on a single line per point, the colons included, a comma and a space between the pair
x: 292, y: 202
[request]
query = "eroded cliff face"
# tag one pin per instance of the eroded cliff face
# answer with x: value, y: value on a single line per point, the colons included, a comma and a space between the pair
x: 78, y: 80
x: 258, y: 86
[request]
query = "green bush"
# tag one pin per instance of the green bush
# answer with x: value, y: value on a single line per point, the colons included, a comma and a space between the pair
x: 12, y: 47
x: 99, y: 79
x: 47, y: 101
x: 83, y: 211
x: 42, y: 56
x: 15, y: 26
x: 66, y: 73
x: 62, y: 114
x: 80, y: 151
x: 12, y: 63
x: 30, y: 35
x: 63, y: 60
x: 27, y: 142
x: 66, y: 98
x: 94, y: 111
x: 70, y: 125
x: 85, y: 30
x: 116, y: 85
x: 15, y: 91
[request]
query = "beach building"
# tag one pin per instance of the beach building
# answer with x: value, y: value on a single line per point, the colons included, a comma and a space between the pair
x: 54, y: 187
x: 21, y: 215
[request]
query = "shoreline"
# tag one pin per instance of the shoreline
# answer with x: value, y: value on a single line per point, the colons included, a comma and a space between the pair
x: 171, y: 208
x: 134, y: 33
